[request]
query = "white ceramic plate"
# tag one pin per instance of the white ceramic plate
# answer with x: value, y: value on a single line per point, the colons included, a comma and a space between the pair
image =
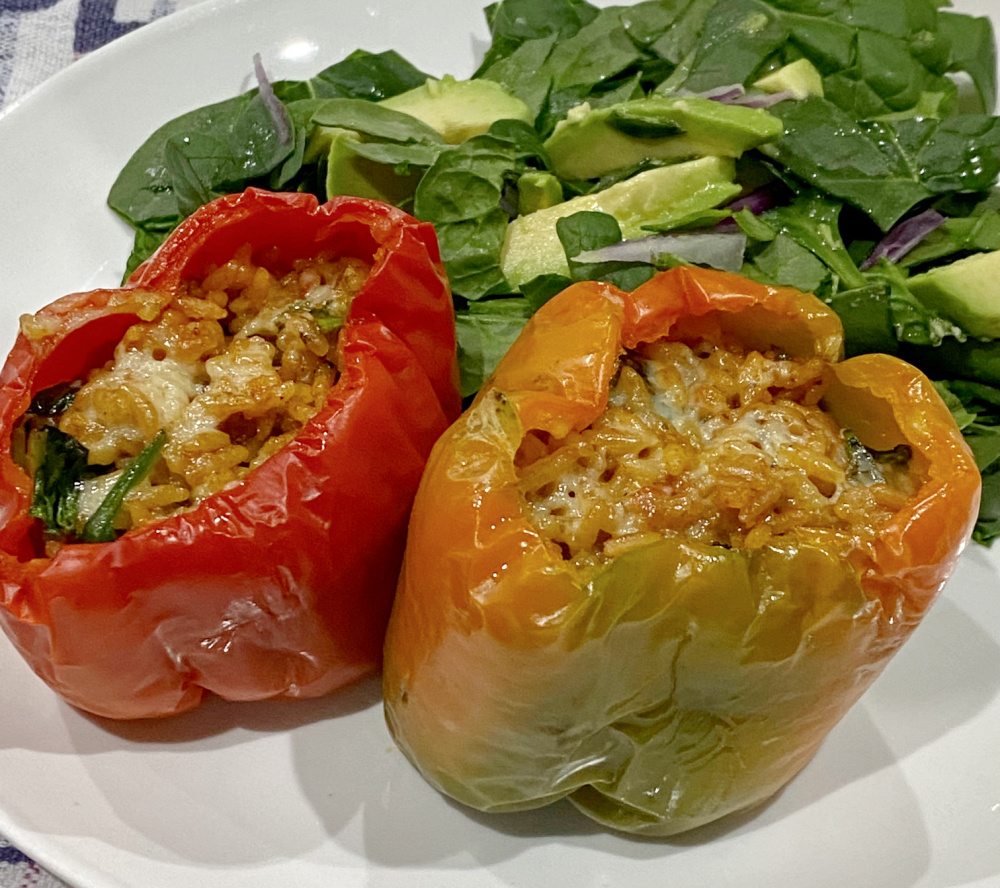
x: 904, y: 793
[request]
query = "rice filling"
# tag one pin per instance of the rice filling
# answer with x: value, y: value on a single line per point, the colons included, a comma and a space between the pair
x: 230, y: 371
x: 713, y: 443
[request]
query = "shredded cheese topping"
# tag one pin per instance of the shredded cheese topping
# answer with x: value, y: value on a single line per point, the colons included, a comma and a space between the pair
x: 711, y: 443
x: 231, y: 370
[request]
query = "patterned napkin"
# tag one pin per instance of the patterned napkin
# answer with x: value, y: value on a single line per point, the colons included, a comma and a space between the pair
x: 37, y: 39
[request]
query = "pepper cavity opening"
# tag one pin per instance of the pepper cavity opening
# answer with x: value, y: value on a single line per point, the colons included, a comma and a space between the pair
x: 713, y: 442
x: 221, y: 378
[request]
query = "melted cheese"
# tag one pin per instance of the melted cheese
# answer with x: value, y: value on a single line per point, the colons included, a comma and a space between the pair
x: 715, y: 445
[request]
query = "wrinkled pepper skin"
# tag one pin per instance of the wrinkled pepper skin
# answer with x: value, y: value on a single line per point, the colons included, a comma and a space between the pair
x: 280, y: 585
x: 683, y: 681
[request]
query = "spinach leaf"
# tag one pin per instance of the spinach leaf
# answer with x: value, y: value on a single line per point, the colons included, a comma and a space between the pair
x: 911, y: 160
x: 883, y: 316
x: 522, y: 139
x: 514, y: 22
x: 961, y: 154
x: 198, y: 156
x: 987, y: 527
x: 877, y: 57
x: 867, y: 319
x: 375, y: 121
x: 912, y: 322
x: 696, y: 220
x: 976, y: 407
x: 146, y: 241
x: 541, y: 289
x: 191, y: 167
x: 973, y: 360
x: 564, y: 65
x: 143, y: 191
x: 60, y: 464
x: 394, y: 154
x: 960, y: 235
x: 972, y: 51
x: 485, y: 331
x: 884, y: 78
x: 367, y: 75
x: 288, y: 175
x: 466, y: 181
x: 463, y: 194
x: 599, y: 50
x: 813, y: 221
x: 470, y: 249
x: 786, y: 263
x: 194, y: 159
x: 525, y: 74
x: 737, y: 38
x: 585, y: 231
x: 668, y: 29
x: 224, y: 146
x: 100, y: 527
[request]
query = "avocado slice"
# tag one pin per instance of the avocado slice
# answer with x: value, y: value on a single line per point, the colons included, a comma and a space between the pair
x: 967, y: 291
x: 531, y: 245
x: 537, y: 190
x: 347, y: 172
x: 459, y: 109
x: 800, y: 78
x: 591, y: 142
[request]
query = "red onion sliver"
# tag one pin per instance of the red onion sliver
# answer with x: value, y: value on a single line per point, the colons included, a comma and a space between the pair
x: 904, y: 237
x: 275, y: 108
x: 723, y: 93
x: 761, y: 99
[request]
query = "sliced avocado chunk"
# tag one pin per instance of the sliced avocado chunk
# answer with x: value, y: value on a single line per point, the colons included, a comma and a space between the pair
x: 459, y: 109
x: 349, y: 173
x: 967, y: 292
x: 800, y: 78
x: 532, y: 247
x: 537, y: 190
x: 319, y: 141
x: 591, y: 142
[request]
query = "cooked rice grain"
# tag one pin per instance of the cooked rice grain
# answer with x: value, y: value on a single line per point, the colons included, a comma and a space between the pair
x: 713, y: 444
x: 231, y: 369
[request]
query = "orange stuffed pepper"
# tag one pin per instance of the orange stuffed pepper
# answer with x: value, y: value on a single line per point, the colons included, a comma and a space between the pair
x: 669, y: 545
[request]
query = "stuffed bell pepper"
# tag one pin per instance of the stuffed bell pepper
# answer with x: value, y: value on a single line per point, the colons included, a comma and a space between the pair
x: 205, y: 475
x: 671, y: 542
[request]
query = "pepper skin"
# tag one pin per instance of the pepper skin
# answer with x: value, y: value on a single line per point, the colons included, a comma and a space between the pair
x: 681, y: 681
x: 279, y: 585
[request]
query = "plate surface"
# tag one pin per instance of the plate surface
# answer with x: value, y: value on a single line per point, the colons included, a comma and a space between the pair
x: 904, y: 793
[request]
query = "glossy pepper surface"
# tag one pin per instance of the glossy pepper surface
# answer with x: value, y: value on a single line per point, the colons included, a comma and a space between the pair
x: 680, y: 681
x: 280, y: 584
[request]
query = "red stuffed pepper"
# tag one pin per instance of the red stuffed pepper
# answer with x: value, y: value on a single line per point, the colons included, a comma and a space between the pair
x: 665, y: 550
x: 205, y: 475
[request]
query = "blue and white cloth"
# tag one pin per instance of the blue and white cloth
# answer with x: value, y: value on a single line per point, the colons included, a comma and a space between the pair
x: 19, y: 871
x: 37, y: 39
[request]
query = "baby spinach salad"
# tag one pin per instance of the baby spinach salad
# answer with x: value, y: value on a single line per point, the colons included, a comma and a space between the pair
x: 844, y: 147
